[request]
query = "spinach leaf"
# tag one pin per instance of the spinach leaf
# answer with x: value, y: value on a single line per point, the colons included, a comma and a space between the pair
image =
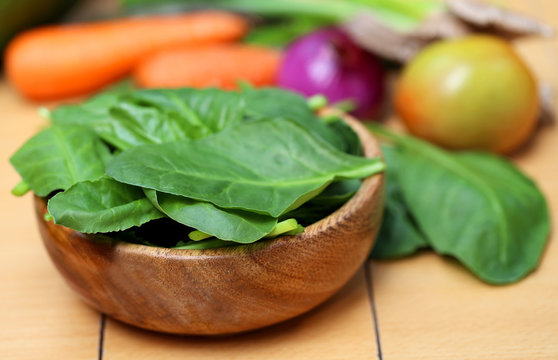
x: 208, y: 110
x: 268, y: 167
x: 225, y: 224
x: 474, y: 206
x: 126, y: 120
x: 399, y: 234
x: 338, y: 192
x: 103, y: 205
x: 129, y: 119
x: 329, y: 200
x: 92, y: 113
x: 60, y: 156
x: 270, y: 103
x: 347, y: 135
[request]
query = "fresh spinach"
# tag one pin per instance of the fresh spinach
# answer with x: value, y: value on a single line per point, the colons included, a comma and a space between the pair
x: 269, y: 103
x: 329, y: 200
x: 267, y: 167
x: 221, y: 164
x: 103, y: 205
x: 225, y: 224
x: 348, y: 136
x: 473, y: 206
x: 399, y: 234
x: 60, y: 156
x: 129, y: 119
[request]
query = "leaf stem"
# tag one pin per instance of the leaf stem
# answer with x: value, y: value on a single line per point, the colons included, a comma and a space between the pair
x: 283, y: 227
x: 316, y: 102
x: 21, y: 188
x: 197, y: 235
x: 44, y: 112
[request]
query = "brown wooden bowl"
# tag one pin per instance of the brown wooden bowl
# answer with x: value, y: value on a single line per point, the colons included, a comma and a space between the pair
x: 221, y: 291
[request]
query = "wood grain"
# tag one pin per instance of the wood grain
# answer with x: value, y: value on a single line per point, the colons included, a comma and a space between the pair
x: 339, y: 329
x: 221, y: 291
x: 40, y: 318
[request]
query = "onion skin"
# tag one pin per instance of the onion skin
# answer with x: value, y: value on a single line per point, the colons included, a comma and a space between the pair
x: 328, y: 62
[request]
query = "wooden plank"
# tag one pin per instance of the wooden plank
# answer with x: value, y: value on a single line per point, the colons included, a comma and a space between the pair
x: 341, y: 328
x: 41, y: 317
x: 431, y: 308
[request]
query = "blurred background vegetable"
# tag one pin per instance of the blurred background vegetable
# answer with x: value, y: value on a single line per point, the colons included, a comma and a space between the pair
x: 280, y: 22
x: 221, y: 66
x: 69, y: 60
x: 328, y: 62
x: 471, y: 93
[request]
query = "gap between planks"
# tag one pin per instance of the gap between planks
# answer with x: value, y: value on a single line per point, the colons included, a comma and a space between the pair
x: 367, y: 267
x: 101, y: 343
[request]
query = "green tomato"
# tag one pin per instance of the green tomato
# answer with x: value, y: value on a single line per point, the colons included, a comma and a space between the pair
x: 470, y: 93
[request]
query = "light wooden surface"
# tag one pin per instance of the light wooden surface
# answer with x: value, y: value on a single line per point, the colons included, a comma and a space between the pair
x: 426, y: 307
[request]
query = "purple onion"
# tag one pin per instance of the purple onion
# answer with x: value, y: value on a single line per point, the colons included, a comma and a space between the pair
x: 328, y: 62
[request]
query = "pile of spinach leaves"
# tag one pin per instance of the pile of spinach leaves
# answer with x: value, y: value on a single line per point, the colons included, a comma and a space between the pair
x: 157, y: 166
x: 473, y: 206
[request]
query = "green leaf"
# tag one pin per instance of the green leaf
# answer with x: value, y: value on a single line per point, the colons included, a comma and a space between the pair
x: 129, y: 119
x: 211, y: 110
x: 474, y: 206
x: 329, y: 200
x: 92, y: 113
x: 348, y: 136
x: 225, y: 224
x: 103, y: 205
x: 399, y: 234
x: 60, y: 156
x: 270, y: 103
x: 337, y: 193
x: 126, y: 120
x: 268, y: 167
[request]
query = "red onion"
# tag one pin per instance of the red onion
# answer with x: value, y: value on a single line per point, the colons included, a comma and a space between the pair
x: 328, y: 62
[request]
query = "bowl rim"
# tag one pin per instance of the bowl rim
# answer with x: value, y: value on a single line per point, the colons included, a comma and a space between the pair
x: 369, y: 186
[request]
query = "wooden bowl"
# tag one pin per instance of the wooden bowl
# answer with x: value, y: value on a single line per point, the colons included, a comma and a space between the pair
x: 221, y: 291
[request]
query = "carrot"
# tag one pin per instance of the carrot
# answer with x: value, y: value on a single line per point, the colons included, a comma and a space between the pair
x: 219, y: 66
x: 66, y: 60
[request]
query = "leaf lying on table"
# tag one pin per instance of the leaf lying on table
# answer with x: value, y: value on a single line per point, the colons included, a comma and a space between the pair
x: 474, y: 206
x: 60, y: 156
x: 103, y: 205
x: 268, y: 167
x: 399, y: 234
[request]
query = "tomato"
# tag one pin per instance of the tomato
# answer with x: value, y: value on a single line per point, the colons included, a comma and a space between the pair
x: 470, y: 93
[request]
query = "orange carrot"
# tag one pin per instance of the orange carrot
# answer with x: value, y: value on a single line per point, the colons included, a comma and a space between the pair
x: 219, y: 66
x: 66, y: 60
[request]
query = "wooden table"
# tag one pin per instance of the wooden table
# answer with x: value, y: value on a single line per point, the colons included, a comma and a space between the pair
x: 422, y: 307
